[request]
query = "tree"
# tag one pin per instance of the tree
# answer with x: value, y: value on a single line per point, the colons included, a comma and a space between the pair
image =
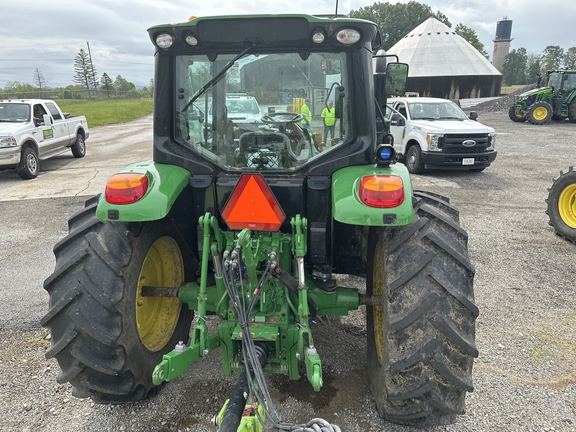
x: 471, y: 37
x: 39, y: 81
x: 85, y: 72
x: 396, y: 20
x: 514, y: 68
x: 570, y: 58
x: 107, y: 84
x: 552, y: 58
x: 18, y: 89
x: 534, y: 68
x: 121, y: 85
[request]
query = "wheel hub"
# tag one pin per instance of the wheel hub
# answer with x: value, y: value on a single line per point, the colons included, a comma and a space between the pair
x: 31, y: 163
x: 156, y: 317
x: 567, y: 206
x: 540, y: 113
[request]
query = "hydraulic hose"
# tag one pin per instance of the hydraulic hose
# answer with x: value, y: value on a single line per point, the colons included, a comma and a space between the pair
x: 235, y: 409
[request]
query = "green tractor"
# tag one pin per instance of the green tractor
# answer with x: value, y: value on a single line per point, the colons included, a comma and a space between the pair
x: 562, y: 205
x: 556, y: 101
x: 245, y: 227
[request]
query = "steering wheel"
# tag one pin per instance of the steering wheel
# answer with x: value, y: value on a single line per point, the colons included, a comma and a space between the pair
x: 281, y: 117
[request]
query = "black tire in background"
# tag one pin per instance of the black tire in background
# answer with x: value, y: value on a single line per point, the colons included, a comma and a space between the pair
x: 515, y: 115
x: 421, y: 340
x: 562, y: 205
x: 106, y: 337
x: 29, y: 165
x: 572, y: 111
x: 539, y: 113
x: 414, y: 159
x: 79, y: 147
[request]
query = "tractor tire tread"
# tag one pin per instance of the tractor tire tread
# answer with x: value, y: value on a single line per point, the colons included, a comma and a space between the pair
x: 424, y: 379
x: 561, y: 228
x: 89, y: 336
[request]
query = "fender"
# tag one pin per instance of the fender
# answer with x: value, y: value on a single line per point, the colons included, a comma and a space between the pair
x: 165, y: 183
x: 348, y: 208
x: 571, y: 97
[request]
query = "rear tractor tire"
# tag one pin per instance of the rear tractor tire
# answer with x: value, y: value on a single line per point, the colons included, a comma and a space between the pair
x: 562, y: 205
x: 421, y: 340
x: 539, y: 113
x: 106, y: 337
x: 516, y: 115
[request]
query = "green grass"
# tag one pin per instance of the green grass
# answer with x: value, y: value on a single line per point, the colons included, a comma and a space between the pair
x: 105, y: 112
x: 510, y: 89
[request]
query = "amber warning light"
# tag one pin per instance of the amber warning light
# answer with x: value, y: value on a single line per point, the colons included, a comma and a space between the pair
x: 252, y: 205
x: 381, y: 191
x: 126, y: 188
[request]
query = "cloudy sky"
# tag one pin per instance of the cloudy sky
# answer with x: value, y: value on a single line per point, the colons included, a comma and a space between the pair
x: 48, y: 35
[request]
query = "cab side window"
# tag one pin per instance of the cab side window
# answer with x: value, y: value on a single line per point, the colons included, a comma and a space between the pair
x: 401, y: 108
x: 54, y: 111
x: 39, y: 112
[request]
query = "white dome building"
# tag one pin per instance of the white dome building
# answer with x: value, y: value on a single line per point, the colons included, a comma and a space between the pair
x: 443, y: 64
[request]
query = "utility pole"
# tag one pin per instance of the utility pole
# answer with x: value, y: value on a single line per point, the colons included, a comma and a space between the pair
x: 92, y: 70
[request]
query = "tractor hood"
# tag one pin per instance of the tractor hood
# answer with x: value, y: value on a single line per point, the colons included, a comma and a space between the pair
x: 541, y: 90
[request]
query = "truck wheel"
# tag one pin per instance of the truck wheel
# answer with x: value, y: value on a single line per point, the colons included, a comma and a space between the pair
x: 562, y: 205
x: 572, y: 111
x: 106, y: 337
x: 539, y: 113
x: 414, y: 160
x: 29, y: 165
x: 421, y: 338
x: 79, y: 147
x: 516, y: 115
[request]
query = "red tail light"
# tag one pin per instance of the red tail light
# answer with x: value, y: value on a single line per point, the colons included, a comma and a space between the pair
x: 126, y: 188
x: 381, y: 191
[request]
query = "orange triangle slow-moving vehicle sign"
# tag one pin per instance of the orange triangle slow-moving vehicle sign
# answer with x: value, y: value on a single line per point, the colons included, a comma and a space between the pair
x: 252, y: 205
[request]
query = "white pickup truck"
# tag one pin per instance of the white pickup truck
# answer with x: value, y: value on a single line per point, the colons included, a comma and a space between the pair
x: 433, y: 133
x: 32, y: 130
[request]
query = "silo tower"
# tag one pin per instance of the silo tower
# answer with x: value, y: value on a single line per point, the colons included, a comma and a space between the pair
x: 502, y: 43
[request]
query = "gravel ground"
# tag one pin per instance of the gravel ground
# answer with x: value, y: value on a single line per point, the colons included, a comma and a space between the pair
x: 525, y: 376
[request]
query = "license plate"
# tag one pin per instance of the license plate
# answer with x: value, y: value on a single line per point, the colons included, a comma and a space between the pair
x: 467, y: 161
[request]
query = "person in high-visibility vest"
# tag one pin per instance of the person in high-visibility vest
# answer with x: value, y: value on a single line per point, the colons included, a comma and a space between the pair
x: 305, y: 111
x: 329, y: 117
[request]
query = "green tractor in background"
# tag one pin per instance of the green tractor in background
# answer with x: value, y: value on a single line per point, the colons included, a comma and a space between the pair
x: 556, y: 101
x: 244, y: 225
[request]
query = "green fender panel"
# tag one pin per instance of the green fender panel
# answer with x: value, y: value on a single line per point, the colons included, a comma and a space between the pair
x: 165, y: 182
x: 349, y: 209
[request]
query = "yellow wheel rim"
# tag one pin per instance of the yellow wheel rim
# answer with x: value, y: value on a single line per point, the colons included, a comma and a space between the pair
x: 567, y: 206
x: 156, y: 317
x: 540, y: 113
x: 519, y: 113
x: 378, y: 311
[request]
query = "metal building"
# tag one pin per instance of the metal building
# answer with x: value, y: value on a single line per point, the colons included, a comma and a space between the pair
x: 445, y: 65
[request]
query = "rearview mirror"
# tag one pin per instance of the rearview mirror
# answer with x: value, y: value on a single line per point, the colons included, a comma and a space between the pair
x: 396, y: 76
